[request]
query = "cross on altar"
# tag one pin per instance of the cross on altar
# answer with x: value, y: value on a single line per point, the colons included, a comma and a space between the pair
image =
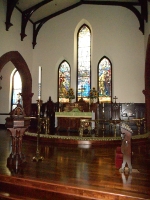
x: 115, y: 98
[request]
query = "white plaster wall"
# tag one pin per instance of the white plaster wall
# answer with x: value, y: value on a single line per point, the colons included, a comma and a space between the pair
x: 115, y: 34
x: 10, y: 41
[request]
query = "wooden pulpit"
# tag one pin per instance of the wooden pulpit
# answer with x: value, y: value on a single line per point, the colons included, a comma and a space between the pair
x: 16, y: 124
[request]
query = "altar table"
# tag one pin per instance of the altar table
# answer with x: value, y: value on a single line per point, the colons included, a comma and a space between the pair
x: 71, y: 120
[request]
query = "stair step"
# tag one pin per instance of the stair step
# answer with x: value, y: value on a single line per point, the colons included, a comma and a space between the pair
x: 10, y: 196
x: 18, y: 192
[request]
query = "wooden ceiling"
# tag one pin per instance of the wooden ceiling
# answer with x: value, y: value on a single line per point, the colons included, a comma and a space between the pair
x: 39, y: 12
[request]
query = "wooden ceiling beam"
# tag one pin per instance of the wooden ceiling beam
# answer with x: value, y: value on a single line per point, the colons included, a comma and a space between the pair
x: 10, y: 7
x: 115, y: 3
x: 37, y: 25
x: 138, y: 15
x: 27, y: 14
x: 144, y: 9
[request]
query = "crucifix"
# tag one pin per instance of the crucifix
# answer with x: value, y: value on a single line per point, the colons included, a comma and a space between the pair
x: 115, y: 98
x: 115, y: 110
x: 82, y: 90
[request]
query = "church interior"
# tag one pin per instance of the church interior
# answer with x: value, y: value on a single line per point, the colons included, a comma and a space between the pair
x: 75, y: 99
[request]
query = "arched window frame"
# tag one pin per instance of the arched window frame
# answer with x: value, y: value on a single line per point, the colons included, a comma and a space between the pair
x: 83, y: 89
x: 15, y: 96
x: 106, y: 94
x: 67, y: 85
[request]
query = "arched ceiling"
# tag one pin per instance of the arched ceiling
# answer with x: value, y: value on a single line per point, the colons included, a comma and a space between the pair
x: 40, y: 11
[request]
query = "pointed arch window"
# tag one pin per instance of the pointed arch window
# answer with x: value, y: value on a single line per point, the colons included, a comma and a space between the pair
x: 16, y: 89
x: 64, y: 79
x: 84, y: 62
x: 105, y: 80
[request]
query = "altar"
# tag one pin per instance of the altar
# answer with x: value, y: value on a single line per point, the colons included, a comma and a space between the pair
x: 67, y: 121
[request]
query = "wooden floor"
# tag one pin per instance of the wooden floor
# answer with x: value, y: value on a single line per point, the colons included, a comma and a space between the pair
x: 73, y: 172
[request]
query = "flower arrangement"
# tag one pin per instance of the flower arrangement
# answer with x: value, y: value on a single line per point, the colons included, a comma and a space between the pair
x: 70, y: 94
x: 93, y: 94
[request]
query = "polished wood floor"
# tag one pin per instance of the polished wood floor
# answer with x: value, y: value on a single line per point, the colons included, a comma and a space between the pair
x: 73, y: 172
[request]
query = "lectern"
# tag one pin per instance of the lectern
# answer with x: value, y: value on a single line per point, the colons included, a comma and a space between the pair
x: 17, y: 125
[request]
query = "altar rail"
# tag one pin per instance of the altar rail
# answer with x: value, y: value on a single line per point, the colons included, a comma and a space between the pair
x: 104, y: 112
x: 131, y: 113
x: 107, y: 128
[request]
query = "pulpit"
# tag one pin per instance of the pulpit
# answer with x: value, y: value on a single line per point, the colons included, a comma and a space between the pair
x: 17, y: 125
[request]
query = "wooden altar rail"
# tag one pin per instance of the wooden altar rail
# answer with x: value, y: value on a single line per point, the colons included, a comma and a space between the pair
x: 126, y: 111
x: 101, y: 127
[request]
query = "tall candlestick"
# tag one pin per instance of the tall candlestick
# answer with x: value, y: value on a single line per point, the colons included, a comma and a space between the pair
x: 40, y: 82
x: 40, y: 73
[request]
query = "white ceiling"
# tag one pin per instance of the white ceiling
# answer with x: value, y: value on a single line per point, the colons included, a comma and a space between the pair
x: 54, y: 6
x: 40, y: 11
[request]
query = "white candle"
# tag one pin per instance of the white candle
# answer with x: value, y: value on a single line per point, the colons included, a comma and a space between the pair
x: 39, y: 83
x: 40, y: 73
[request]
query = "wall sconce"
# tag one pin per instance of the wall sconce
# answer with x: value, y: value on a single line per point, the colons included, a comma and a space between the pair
x: 0, y: 82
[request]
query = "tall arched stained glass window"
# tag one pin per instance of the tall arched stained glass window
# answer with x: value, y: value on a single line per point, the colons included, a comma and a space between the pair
x: 64, y: 80
x: 84, y: 63
x: 105, y: 80
x: 16, y: 89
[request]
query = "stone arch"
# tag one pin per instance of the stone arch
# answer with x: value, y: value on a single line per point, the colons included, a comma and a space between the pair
x: 22, y: 67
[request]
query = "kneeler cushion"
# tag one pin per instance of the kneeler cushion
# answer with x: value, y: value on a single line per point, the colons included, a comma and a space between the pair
x: 118, y: 158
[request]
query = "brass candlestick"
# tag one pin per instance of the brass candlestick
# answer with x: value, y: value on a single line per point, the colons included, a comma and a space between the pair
x: 37, y: 157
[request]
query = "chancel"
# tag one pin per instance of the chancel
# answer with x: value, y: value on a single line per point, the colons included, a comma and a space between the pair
x: 81, y: 69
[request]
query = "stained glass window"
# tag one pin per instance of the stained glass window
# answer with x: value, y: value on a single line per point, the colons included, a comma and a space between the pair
x: 105, y: 80
x: 16, y: 89
x: 64, y: 80
x: 84, y: 63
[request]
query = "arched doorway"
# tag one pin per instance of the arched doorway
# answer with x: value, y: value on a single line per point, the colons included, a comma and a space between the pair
x: 20, y: 64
